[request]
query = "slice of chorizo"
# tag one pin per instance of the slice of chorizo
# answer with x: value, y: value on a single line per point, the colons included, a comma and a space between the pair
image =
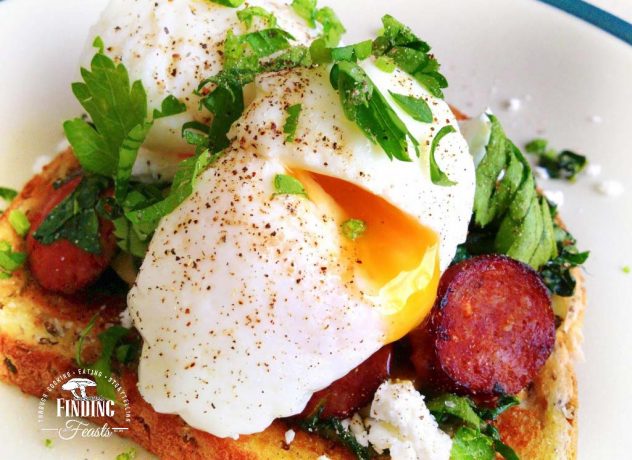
x: 490, y: 331
x: 346, y: 395
x: 63, y: 267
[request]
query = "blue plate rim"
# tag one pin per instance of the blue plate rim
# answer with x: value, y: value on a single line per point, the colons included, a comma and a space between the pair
x: 596, y: 16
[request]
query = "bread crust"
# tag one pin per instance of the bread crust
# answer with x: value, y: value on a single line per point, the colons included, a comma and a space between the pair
x: 39, y: 330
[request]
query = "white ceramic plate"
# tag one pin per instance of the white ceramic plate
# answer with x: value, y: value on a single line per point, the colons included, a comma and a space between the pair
x: 568, y: 75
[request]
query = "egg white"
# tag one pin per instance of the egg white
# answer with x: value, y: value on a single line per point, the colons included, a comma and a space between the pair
x: 171, y: 46
x: 245, y: 301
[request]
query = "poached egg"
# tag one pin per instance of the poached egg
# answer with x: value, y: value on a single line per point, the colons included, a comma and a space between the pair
x: 249, y: 301
x: 171, y: 46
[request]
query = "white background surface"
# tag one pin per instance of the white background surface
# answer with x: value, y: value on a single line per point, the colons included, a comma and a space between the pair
x: 564, y: 71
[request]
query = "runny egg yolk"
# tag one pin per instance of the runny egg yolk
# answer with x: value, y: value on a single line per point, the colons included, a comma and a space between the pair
x: 396, y: 255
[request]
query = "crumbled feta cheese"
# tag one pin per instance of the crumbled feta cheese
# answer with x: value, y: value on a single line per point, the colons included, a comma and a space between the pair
x: 400, y: 422
x: 611, y: 188
x: 40, y: 162
x: 323, y: 457
x: 289, y: 436
x: 541, y: 173
x: 596, y: 119
x: 357, y: 428
x: 513, y: 104
x: 593, y: 170
x: 555, y: 196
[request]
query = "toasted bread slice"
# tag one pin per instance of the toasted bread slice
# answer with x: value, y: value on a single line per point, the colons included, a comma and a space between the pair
x: 39, y: 331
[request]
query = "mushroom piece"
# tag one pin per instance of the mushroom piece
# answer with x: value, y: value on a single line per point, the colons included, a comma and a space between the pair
x: 78, y: 384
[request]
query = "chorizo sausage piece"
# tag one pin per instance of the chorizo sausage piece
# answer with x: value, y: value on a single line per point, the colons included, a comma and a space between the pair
x: 346, y: 395
x: 490, y: 331
x: 61, y: 266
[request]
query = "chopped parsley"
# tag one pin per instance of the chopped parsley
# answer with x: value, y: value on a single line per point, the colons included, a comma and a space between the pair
x: 291, y: 123
x: 416, y: 107
x: 19, y: 222
x: 145, y: 219
x: 107, y: 148
x: 437, y: 176
x: 333, y: 429
x: 10, y: 261
x: 7, y: 194
x: 115, y: 108
x: 115, y: 343
x: 510, y: 217
x: 411, y: 54
x: 307, y: 10
x: 48, y: 443
x: 245, y: 51
x: 229, y: 3
x: 385, y: 64
x: 353, y: 228
x: 333, y: 29
x: 352, y: 53
x: 563, y: 165
x: 557, y: 273
x: 475, y: 437
x: 75, y: 218
x: 288, y: 185
x: 626, y: 269
x: 248, y: 14
x: 363, y: 104
x: 128, y: 455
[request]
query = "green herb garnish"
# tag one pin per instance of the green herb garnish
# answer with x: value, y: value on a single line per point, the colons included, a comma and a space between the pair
x: 288, y: 185
x: 245, y: 51
x: 247, y: 16
x: 229, y: 3
x: 385, y: 64
x: 333, y: 429
x: 557, y: 273
x: 75, y: 218
x: 112, y: 345
x: 326, y: 17
x: 509, y: 215
x: 48, y: 443
x: 416, y: 107
x: 470, y: 444
x: 130, y: 454
x: 626, y: 269
x: 563, y: 165
x: 10, y: 261
x: 19, y: 222
x: 437, y: 176
x: 107, y: 149
x: 145, y: 219
x: 366, y: 106
x: 115, y: 107
x: 307, y: 10
x: 353, y: 228
x: 475, y: 438
x: 291, y: 123
x: 352, y: 53
x: 333, y: 30
x: 410, y: 53
x: 7, y: 194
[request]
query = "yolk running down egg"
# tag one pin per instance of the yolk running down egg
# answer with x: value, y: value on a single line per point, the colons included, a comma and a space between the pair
x: 395, y: 255
x: 171, y: 46
x: 249, y: 301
